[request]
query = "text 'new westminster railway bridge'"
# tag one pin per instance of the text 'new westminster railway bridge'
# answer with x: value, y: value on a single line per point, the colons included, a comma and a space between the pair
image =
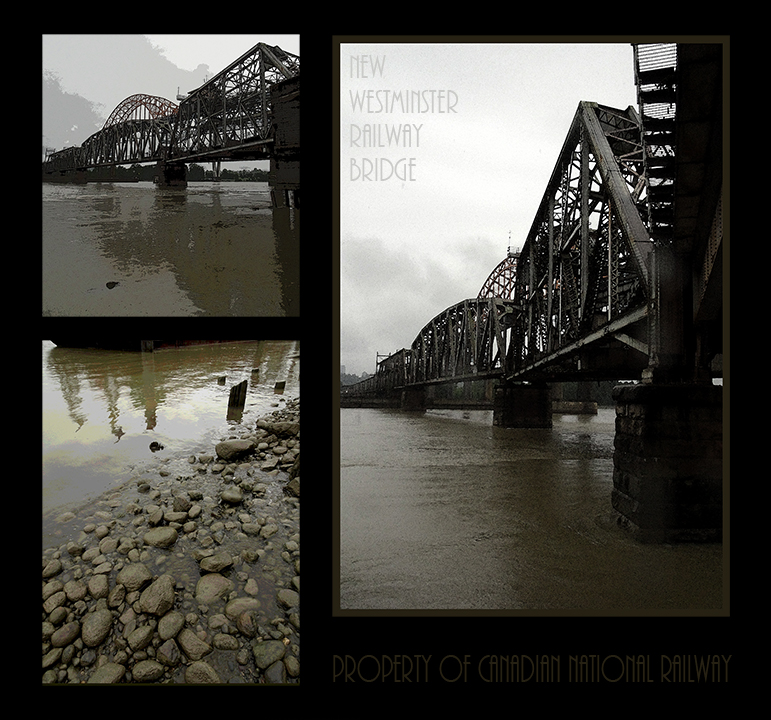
x: 248, y: 111
x: 620, y: 277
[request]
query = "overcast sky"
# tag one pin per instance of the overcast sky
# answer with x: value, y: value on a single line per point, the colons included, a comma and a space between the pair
x: 483, y: 153
x: 108, y: 68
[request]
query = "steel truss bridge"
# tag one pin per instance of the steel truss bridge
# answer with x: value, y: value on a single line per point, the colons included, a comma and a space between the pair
x: 621, y: 272
x: 249, y: 111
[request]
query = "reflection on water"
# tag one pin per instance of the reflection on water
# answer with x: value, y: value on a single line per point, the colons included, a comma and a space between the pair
x: 215, y: 249
x: 444, y: 511
x: 103, y: 409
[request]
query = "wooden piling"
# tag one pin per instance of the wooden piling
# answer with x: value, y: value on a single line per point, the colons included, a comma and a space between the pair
x: 238, y: 395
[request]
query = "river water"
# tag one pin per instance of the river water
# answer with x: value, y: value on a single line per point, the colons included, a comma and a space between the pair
x: 442, y: 510
x: 211, y: 249
x: 102, y: 409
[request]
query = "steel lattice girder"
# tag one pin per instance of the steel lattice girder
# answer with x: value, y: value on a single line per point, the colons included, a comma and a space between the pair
x: 502, y: 279
x: 128, y: 142
x: 233, y: 107
x: 141, y: 107
x: 63, y: 160
x: 585, y: 260
x: 467, y: 340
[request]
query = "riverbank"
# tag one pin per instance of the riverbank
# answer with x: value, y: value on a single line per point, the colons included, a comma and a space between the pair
x: 187, y: 573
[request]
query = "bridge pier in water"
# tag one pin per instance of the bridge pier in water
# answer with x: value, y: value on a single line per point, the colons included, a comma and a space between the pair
x: 78, y: 177
x: 284, y: 180
x: 171, y: 174
x: 668, y: 461
x: 522, y: 405
x: 413, y: 398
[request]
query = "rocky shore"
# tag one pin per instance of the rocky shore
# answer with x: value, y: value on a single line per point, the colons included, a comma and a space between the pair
x: 187, y: 573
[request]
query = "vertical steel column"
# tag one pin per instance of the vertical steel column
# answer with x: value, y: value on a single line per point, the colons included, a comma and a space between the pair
x: 584, y: 225
x: 610, y: 256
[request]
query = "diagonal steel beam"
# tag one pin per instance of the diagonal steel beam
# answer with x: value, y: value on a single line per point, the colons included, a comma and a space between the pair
x: 627, y: 214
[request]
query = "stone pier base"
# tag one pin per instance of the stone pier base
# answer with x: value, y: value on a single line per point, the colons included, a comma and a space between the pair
x: 284, y: 180
x: 523, y: 405
x: 668, y: 461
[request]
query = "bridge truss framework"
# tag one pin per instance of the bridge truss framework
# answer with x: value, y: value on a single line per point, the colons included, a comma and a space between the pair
x: 581, y: 281
x: 229, y: 117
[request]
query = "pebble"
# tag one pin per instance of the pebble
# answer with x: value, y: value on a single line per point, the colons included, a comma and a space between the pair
x: 170, y: 624
x: 216, y: 563
x: 134, y: 576
x: 95, y: 627
x: 158, y: 598
x: 65, y: 634
x: 108, y: 673
x: 268, y: 652
x: 232, y: 495
x: 169, y: 653
x: 201, y: 672
x: 161, y: 537
x: 240, y: 605
x: 98, y: 586
x: 192, y: 645
x: 123, y: 601
x: 53, y: 568
x: 147, y: 671
x: 211, y: 587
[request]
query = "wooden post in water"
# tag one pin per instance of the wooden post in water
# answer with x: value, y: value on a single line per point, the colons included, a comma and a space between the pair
x: 238, y: 395
x: 237, y: 401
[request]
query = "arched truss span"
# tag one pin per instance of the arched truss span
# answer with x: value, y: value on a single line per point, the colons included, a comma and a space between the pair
x: 501, y: 282
x: 141, y: 107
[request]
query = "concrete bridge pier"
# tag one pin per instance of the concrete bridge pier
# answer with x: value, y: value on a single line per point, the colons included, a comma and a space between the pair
x: 79, y: 177
x: 170, y: 174
x: 522, y: 405
x: 413, y: 398
x: 668, y: 461
x: 284, y: 180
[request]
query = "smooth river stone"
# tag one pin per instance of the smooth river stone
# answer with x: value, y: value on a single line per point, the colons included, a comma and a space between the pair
x: 158, y: 598
x: 161, y: 537
x: 217, y: 562
x: 65, y: 634
x: 231, y: 449
x: 96, y: 626
x: 134, y: 576
x: 212, y: 587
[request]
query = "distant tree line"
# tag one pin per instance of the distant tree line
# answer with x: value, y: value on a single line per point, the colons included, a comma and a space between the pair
x: 350, y: 379
x: 195, y: 172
